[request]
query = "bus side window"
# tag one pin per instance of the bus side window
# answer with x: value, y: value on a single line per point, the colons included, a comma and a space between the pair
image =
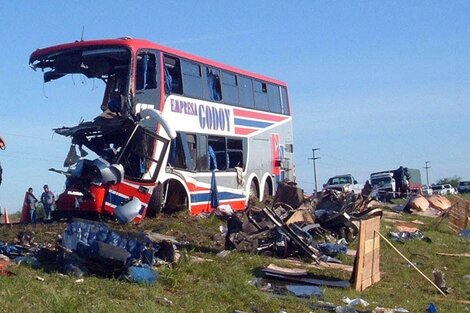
x: 230, y: 88
x: 192, y: 79
x: 146, y: 81
x: 218, y: 145
x: 261, y: 95
x: 173, y: 82
x: 213, y: 84
x: 274, y: 96
x: 246, y: 92
x: 235, y: 153
x: 146, y: 76
x: 285, y: 105
x: 202, y: 153
x: 176, y: 157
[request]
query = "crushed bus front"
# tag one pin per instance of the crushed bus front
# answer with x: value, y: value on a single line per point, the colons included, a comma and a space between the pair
x: 115, y: 159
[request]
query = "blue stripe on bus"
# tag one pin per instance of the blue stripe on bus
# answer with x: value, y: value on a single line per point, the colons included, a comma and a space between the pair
x: 205, y: 197
x: 115, y: 199
x: 250, y: 123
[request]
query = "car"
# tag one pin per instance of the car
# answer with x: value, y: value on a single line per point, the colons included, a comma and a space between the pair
x: 444, y: 189
x: 464, y: 186
x: 343, y: 183
x: 427, y: 190
x: 449, y: 190
x: 437, y: 189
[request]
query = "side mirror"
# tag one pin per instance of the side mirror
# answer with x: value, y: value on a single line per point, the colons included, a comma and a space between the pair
x: 324, y: 185
x: 355, y: 182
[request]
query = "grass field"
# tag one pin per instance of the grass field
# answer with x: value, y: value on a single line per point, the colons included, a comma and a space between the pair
x: 221, y: 284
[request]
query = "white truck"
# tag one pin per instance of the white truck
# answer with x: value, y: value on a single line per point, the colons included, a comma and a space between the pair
x: 383, y: 184
x: 343, y: 183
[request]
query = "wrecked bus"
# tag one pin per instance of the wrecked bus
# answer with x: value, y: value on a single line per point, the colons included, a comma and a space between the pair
x: 173, y: 127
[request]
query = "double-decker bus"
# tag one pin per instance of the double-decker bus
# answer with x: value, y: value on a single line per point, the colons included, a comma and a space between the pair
x: 173, y: 128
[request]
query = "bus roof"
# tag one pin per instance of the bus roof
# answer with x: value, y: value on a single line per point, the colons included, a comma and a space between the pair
x: 136, y: 44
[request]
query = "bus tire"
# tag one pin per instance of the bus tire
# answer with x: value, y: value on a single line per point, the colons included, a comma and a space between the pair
x: 254, y: 190
x: 268, y: 189
x: 174, y: 196
x: 155, y: 205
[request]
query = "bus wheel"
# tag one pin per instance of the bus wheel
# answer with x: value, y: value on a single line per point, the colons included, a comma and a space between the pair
x: 268, y: 189
x: 254, y: 190
x: 155, y: 205
x: 175, y: 197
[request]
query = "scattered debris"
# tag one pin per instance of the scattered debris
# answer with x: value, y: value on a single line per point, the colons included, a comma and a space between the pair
x: 92, y: 247
x: 354, y: 302
x: 305, y: 291
x: 458, y: 214
x: 409, y: 262
x: 440, y: 281
x: 164, y: 301
x: 418, y: 203
x: 302, y: 227
x: 406, y: 227
x: 465, y: 233
x: 431, y: 308
x: 439, y: 202
x: 288, y: 276
x: 466, y: 255
x: 402, y: 236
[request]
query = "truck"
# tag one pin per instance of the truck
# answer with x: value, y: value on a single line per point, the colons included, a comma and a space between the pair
x: 396, y: 183
x: 343, y: 183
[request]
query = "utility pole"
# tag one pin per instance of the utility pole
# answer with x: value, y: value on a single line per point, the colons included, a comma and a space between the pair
x: 313, y: 158
x: 426, y: 166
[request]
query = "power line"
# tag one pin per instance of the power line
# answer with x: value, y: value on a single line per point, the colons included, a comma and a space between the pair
x: 426, y: 166
x: 313, y: 158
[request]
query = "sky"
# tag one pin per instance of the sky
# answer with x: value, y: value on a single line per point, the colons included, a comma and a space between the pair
x: 373, y: 84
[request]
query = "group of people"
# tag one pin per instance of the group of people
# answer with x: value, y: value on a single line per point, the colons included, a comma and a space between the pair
x: 29, y: 214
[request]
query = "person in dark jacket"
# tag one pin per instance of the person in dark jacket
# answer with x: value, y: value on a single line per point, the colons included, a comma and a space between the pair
x: 47, y: 199
x: 31, y: 201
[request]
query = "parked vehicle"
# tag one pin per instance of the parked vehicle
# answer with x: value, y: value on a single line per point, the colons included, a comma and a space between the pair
x: 344, y: 183
x: 383, y: 185
x: 426, y: 190
x: 399, y: 182
x: 449, y: 190
x: 464, y: 186
x: 437, y: 189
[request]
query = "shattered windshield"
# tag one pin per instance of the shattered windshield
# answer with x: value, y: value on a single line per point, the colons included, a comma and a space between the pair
x: 339, y: 180
x: 381, y: 180
x: 92, y: 62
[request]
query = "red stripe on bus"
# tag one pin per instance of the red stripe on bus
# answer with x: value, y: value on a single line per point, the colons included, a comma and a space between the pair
x: 258, y: 115
x: 238, y: 205
x: 244, y: 131
x: 131, y: 191
x: 193, y: 188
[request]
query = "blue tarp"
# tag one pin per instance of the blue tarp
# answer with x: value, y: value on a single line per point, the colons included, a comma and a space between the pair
x: 214, y: 192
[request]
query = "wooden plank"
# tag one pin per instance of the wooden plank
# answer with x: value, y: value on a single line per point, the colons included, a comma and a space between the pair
x: 376, y: 257
x: 359, y: 262
x: 367, y: 263
x: 458, y: 215
x: 465, y: 255
x: 321, y: 265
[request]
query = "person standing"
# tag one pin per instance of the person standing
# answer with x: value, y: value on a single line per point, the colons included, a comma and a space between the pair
x: 48, y: 200
x: 31, y: 201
